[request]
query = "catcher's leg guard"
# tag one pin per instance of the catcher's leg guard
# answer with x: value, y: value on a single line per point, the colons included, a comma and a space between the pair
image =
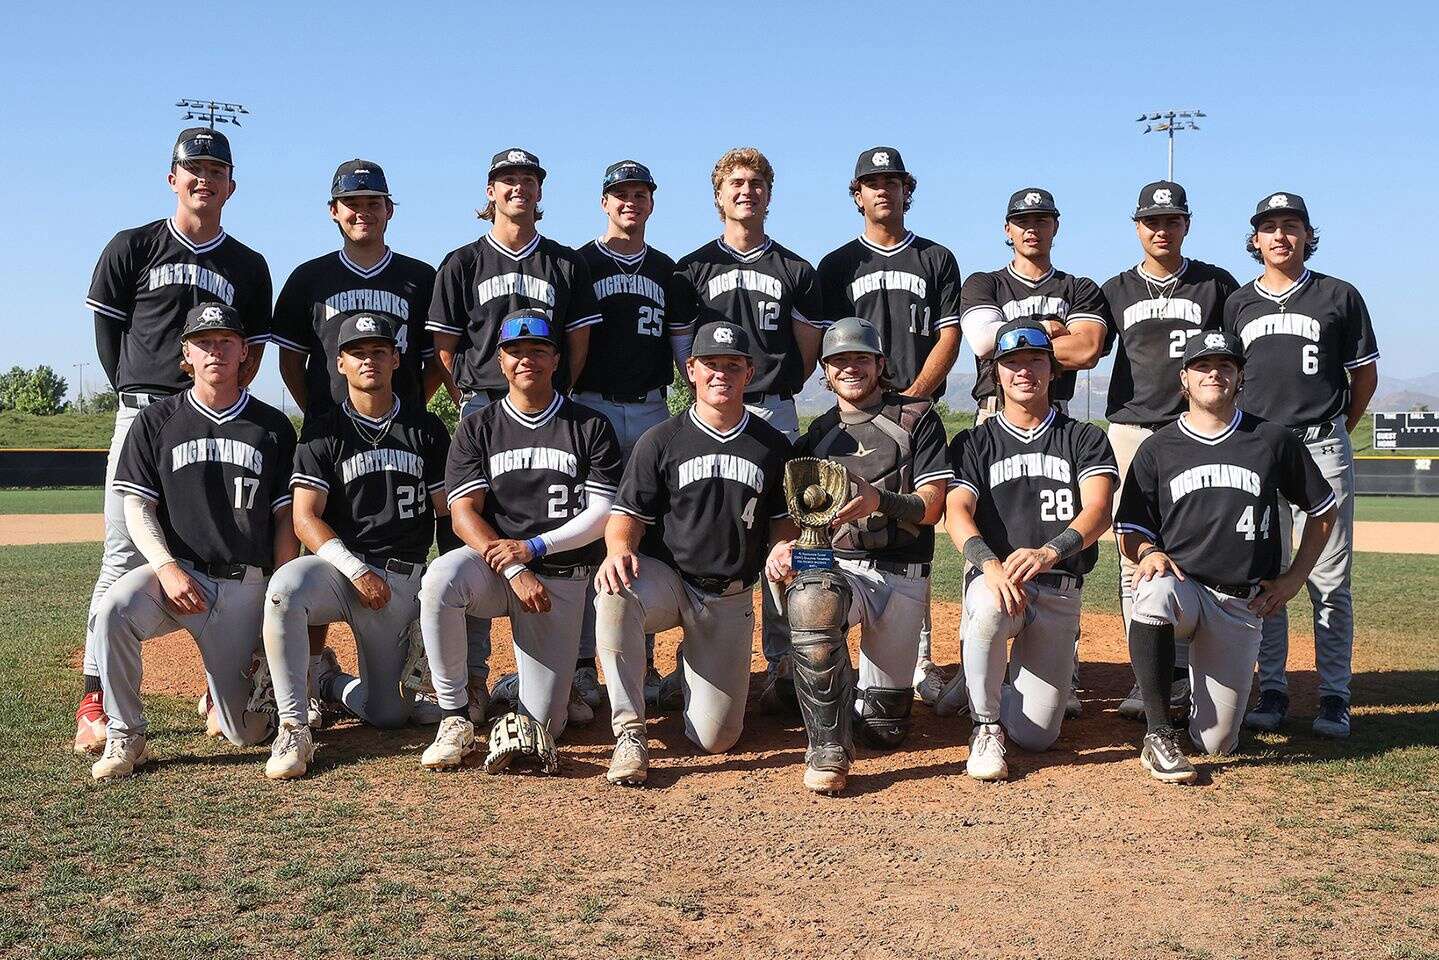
x: 816, y: 602
x: 882, y: 714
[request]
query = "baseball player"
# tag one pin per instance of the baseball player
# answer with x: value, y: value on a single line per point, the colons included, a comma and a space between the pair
x: 146, y: 280
x: 530, y: 480
x: 701, y: 498
x: 1311, y: 335
x: 1199, y: 519
x: 511, y: 268
x: 1071, y: 309
x: 633, y: 349
x: 1155, y: 308
x: 748, y: 279
x: 1031, y: 497
x: 893, y: 447
x: 205, y: 477
x: 908, y: 287
x: 364, y: 275
x: 366, y: 476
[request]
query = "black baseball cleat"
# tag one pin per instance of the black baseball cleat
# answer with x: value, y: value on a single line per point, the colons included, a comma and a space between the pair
x: 1269, y: 712
x: 1333, y: 719
x: 1164, y: 759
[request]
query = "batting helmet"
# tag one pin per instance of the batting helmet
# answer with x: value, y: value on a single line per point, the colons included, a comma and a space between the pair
x: 850, y: 335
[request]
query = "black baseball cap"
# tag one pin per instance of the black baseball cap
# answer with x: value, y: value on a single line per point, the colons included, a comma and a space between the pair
x: 359, y: 178
x: 516, y: 158
x: 1280, y: 203
x: 1160, y: 198
x: 878, y: 160
x: 209, y: 317
x: 1214, y: 343
x: 719, y: 338
x: 528, y: 325
x: 201, y: 143
x: 627, y: 171
x: 1031, y: 200
x: 366, y: 325
x: 1023, y: 333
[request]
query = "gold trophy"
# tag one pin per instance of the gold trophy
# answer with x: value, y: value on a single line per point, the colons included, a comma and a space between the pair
x: 815, y: 491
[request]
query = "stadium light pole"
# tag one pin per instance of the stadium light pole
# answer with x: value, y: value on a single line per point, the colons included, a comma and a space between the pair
x: 81, y: 368
x: 1167, y: 123
x: 212, y: 111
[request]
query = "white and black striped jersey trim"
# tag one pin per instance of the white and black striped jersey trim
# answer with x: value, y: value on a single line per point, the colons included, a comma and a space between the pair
x: 218, y: 416
x: 371, y: 422
x: 943, y: 475
x: 710, y: 431
x: 625, y: 260
x: 749, y: 256
x: 883, y: 251
x: 1136, y: 528
x: 290, y: 345
x: 1210, y: 440
x: 185, y: 241
x: 1361, y: 361
x: 1324, y: 506
x: 1285, y: 294
x: 532, y: 420
x: 1163, y: 281
x: 1023, y: 435
x: 368, y: 272
x: 124, y: 486
x: 516, y: 255
x: 280, y: 503
x: 479, y: 483
x: 1103, y: 468
x: 1025, y: 280
x: 956, y: 481
x: 305, y: 480
x: 643, y: 518
x: 104, y: 309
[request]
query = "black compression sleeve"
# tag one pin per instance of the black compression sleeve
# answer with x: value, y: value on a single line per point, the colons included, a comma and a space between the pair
x: 107, y: 345
x: 1151, y: 650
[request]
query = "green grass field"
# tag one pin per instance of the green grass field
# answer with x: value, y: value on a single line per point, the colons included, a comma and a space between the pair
x: 65, y: 431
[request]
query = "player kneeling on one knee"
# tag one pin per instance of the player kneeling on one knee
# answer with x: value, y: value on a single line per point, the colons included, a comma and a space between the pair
x: 530, y: 480
x: 205, y: 478
x: 704, y: 491
x: 1030, y: 499
x: 892, y: 447
x: 1198, y: 517
x: 366, y: 475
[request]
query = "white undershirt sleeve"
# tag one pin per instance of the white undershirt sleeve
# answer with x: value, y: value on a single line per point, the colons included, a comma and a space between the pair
x: 980, y: 324
x: 142, y: 520
x: 585, y: 527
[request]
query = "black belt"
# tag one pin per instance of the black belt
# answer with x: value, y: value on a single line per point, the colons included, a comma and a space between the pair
x: 758, y: 397
x: 714, y: 585
x: 227, y: 571
x: 138, y: 401
x: 625, y: 397
x: 493, y: 395
x: 403, y: 567
x: 1059, y: 581
x: 1240, y: 591
x: 1315, y: 432
x: 563, y: 573
x: 902, y: 569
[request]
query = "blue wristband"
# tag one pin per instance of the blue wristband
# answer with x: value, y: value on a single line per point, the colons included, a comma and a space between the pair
x: 537, y: 546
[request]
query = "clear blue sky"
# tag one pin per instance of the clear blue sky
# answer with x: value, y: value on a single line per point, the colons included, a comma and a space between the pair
x: 1335, y: 101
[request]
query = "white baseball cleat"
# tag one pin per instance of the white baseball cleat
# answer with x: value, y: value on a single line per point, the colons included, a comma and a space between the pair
x: 630, y: 765
x: 986, y: 753
x: 1164, y: 758
x: 121, y: 758
x: 291, y: 753
x: 929, y: 683
x: 454, y: 741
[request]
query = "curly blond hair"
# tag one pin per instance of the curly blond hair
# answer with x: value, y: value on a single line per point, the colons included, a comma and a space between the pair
x: 740, y: 157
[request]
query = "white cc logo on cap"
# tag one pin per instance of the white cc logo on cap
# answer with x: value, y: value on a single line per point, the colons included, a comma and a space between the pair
x: 879, y: 158
x: 517, y: 156
x: 1278, y: 200
x: 724, y: 335
x: 212, y: 315
x: 1031, y: 198
x: 1163, y: 196
x: 366, y: 325
x: 1214, y: 341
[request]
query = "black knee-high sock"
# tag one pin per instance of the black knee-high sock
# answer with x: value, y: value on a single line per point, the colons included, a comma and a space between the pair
x: 1151, y: 651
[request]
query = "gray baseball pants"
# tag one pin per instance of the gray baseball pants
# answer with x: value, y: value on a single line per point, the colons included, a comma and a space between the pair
x: 477, y: 631
x: 780, y: 413
x: 715, y: 655
x: 309, y: 591
x: 459, y: 585
x: 135, y: 609
x: 1224, y: 639
x: 1030, y: 705
x: 1329, y: 582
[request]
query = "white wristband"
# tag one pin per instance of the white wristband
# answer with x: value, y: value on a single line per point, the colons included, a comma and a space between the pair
x: 513, y: 570
x: 337, y: 555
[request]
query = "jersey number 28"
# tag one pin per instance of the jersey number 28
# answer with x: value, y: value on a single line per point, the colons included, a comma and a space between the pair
x: 1056, y: 504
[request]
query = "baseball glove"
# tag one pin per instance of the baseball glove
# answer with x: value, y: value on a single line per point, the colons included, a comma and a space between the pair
x: 517, y: 738
x: 415, y: 677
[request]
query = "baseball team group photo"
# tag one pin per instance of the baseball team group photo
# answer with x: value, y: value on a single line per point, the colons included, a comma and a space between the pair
x: 560, y: 596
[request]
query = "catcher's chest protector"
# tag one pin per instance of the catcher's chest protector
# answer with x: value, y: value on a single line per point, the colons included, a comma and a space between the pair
x: 877, y: 446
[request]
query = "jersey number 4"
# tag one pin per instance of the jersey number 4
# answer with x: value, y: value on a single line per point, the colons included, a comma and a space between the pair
x: 1246, y: 524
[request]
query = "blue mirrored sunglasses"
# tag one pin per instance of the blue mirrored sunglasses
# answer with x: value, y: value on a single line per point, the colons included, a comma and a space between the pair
x: 1026, y: 338
x: 522, y: 328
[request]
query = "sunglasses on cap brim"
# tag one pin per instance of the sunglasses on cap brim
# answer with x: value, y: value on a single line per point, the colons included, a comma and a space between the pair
x: 355, y: 182
x: 1026, y: 338
x: 526, y: 328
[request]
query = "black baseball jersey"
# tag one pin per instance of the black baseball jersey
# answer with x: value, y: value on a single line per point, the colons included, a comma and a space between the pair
x: 149, y: 277
x: 481, y: 283
x: 764, y: 292
x: 322, y: 292
x: 536, y: 471
x: 909, y: 291
x: 630, y: 348
x: 898, y: 446
x: 708, y: 496
x: 1072, y: 299
x: 217, y: 475
x: 1152, y: 321
x: 1298, y: 347
x: 377, y: 475
x: 1026, y: 482
x: 1210, y: 502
